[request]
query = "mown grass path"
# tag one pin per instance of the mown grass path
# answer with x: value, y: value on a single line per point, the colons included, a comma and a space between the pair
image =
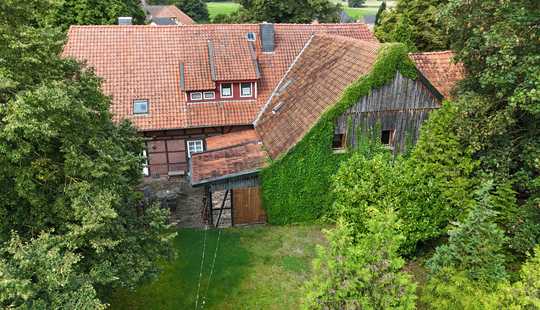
x: 256, y: 268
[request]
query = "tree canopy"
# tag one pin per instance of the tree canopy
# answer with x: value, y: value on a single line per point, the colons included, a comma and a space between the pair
x: 415, y: 23
x: 71, y: 221
x: 284, y: 11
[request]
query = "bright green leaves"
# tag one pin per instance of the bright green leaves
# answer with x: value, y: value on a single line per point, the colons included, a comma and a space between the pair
x: 362, y: 271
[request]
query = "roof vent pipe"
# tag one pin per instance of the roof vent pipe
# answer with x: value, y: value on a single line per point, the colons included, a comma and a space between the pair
x: 125, y: 20
x: 268, y: 39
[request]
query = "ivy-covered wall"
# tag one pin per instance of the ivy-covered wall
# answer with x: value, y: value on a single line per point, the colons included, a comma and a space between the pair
x: 296, y: 187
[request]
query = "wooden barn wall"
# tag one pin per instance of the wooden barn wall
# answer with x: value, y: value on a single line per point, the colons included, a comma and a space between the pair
x: 237, y: 182
x: 402, y: 105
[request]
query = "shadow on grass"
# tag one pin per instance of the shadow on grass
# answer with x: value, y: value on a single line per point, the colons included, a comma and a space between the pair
x: 176, y: 287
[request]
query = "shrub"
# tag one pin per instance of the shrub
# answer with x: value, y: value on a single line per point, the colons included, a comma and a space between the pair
x: 362, y: 274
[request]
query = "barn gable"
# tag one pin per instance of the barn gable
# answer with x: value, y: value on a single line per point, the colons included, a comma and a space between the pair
x: 396, y: 109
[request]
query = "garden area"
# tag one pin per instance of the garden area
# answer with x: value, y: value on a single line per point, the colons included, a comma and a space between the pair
x: 255, y: 268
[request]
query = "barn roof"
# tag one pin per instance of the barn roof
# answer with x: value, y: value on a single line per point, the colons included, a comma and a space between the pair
x: 314, y: 82
x: 144, y: 62
x: 440, y: 69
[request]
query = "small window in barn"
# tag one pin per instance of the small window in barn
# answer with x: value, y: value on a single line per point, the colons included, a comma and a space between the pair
x: 209, y: 95
x: 140, y: 107
x: 146, y: 172
x: 250, y: 36
x: 196, y: 96
x: 338, y: 143
x: 195, y: 146
x: 226, y: 90
x: 246, y: 90
x: 387, y: 137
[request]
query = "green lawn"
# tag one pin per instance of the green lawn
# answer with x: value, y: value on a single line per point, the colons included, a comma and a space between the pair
x: 358, y: 13
x: 256, y: 268
x: 215, y: 8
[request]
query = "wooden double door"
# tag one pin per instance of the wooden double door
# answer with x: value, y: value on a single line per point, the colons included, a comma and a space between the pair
x: 247, y: 206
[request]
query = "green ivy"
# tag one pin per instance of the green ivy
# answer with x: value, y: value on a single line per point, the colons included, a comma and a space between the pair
x: 296, y: 186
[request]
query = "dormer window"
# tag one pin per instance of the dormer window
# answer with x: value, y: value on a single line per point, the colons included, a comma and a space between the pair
x: 140, y: 106
x: 226, y: 90
x: 250, y: 36
x: 209, y: 95
x: 246, y: 90
x: 196, y: 96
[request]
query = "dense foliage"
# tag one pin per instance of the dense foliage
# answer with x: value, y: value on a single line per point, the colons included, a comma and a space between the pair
x: 196, y: 9
x: 70, y: 225
x: 414, y: 23
x: 92, y: 12
x: 283, y: 11
x: 362, y: 271
x: 296, y: 187
x: 498, y: 43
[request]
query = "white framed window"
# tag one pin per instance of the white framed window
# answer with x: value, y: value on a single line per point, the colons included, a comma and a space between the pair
x: 226, y: 90
x: 140, y: 106
x: 194, y: 146
x: 208, y: 95
x: 246, y: 89
x: 146, y: 171
x: 195, y: 96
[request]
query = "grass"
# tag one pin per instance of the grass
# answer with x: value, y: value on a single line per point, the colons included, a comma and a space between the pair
x: 358, y: 13
x: 256, y: 268
x: 215, y: 8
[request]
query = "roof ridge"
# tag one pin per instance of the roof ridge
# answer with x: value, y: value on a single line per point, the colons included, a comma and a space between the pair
x: 432, y: 52
x: 218, y: 25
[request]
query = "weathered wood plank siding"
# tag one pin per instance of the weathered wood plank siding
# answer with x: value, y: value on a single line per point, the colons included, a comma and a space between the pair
x: 402, y: 105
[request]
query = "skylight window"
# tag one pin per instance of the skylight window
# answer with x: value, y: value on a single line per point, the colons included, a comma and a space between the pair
x: 278, y: 107
x: 250, y: 36
x: 140, y: 106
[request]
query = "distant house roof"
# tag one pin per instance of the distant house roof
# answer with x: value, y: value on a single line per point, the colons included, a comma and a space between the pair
x: 314, y: 83
x: 440, y: 69
x: 328, y: 65
x: 168, y: 15
x: 146, y: 62
x: 228, y: 155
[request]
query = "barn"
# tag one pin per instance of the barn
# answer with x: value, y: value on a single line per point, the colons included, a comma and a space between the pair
x: 328, y: 71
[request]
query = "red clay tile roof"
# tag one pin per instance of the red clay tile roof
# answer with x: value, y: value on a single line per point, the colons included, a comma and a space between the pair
x: 440, y: 69
x: 242, y: 153
x: 231, y: 139
x: 327, y: 66
x: 170, y: 11
x: 143, y: 62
